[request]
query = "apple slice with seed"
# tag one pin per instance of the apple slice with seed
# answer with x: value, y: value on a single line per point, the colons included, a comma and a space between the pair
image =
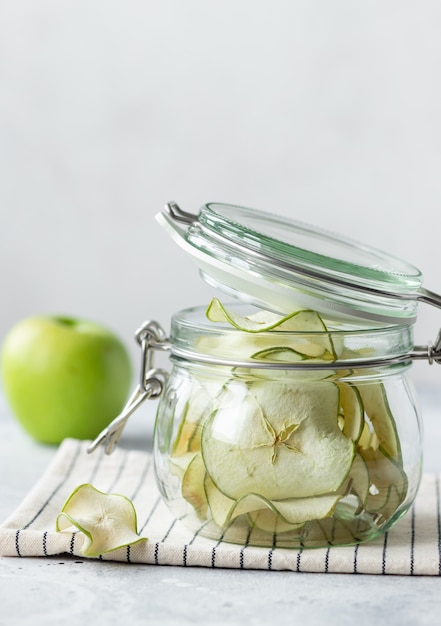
x: 107, y: 521
x: 279, y: 441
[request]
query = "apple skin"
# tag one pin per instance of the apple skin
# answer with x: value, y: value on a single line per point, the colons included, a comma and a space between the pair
x: 64, y: 377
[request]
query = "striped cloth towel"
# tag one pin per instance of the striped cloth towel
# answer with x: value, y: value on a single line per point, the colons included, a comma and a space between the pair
x: 411, y: 547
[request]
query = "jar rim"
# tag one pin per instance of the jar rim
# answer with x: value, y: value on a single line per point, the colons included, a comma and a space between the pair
x: 195, y: 317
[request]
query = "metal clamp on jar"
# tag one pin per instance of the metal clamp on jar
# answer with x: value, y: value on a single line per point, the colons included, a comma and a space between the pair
x: 287, y: 417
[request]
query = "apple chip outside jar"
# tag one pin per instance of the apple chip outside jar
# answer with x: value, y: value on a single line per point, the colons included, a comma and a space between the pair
x: 287, y: 418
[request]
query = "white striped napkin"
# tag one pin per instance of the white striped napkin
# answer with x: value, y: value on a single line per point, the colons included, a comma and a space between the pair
x: 411, y: 547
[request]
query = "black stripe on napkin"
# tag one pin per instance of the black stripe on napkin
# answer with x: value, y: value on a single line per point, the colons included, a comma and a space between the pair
x: 245, y: 545
x: 438, y: 516
x: 327, y: 561
x: 169, y: 531
x: 119, y: 471
x: 17, y: 543
x: 185, y: 549
x: 412, y: 542
x: 213, y: 551
x: 299, y: 558
x: 157, y: 544
x: 99, y: 458
x: 47, y: 501
x: 142, y: 476
x: 355, y: 561
x: 57, y: 488
x: 384, y: 555
x: 270, y: 552
x: 72, y: 544
x: 150, y: 515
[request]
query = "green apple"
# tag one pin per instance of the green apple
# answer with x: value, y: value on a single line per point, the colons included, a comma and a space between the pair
x: 64, y: 377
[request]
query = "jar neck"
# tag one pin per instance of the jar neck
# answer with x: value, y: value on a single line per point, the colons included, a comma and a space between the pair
x: 193, y: 338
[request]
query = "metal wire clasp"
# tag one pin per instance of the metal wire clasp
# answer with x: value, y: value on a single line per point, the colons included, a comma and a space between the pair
x: 435, y: 350
x: 150, y: 337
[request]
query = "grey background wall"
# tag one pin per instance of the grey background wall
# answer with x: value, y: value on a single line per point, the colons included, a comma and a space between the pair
x: 324, y: 111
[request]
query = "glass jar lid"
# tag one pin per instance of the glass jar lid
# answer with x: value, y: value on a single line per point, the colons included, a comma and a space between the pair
x: 282, y: 264
x: 369, y: 296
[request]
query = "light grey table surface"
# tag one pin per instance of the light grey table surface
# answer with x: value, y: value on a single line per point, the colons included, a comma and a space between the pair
x: 66, y: 591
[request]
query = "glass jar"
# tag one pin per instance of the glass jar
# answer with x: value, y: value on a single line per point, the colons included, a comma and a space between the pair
x: 287, y: 418
x: 325, y: 454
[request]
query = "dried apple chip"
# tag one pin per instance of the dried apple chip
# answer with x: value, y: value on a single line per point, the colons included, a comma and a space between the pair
x: 388, y: 482
x: 193, y: 486
x: 352, y: 407
x: 108, y: 521
x: 377, y: 409
x: 279, y: 441
x: 268, y: 514
x: 303, y: 320
x: 294, y: 513
x: 314, y: 340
